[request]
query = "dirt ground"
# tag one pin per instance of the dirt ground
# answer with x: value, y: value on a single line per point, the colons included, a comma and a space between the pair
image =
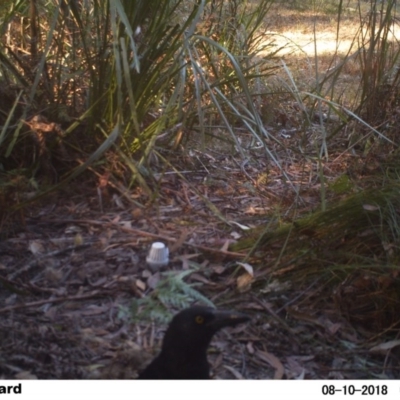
x: 68, y: 267
x: 301, y: 33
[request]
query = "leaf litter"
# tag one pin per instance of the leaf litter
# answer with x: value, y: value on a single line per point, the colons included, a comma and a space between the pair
x: 70, y: 270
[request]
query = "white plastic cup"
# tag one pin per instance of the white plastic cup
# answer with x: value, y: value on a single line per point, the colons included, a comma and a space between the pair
x: 158, y: 256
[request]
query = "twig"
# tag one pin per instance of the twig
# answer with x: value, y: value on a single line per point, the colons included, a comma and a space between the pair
x: 148, y: 234
x: 35, y: 261
x: 276, y: 318
x: 41, y: 302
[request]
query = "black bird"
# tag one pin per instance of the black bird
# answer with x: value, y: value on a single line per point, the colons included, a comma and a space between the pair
x: 184, y: 349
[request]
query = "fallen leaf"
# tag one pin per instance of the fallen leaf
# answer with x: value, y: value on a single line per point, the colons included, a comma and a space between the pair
x: 140, y: 285
x: 78, y: 240
x: 236, y: 235
x: 234, y: 372
x: 249, y: 269
x: 273, y: 361
x: 25, y: 375
x: 225, y: 246
x: 126, y: 224
x: 244, y: 282
x: 384, y: 347
x: 243, y: 227
x: 152, y: 282
x: 370, y: 207
x: 95, y: 310
x: 35, y: 247
x: 181, y: 240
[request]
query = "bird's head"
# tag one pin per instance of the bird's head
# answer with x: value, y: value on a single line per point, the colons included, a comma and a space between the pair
x: 184, y: 349
x: 195, y: 326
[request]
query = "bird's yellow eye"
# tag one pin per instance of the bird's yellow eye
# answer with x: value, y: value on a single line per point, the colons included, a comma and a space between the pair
x: 199, y: 319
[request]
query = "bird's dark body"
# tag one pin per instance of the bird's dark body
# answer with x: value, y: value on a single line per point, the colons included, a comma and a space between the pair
x: 184, y: 349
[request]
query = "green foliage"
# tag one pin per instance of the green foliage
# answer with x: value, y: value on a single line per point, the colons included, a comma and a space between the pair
x: 170, y: 292
x: 379, y: 56
x: 341, y: 185
x: 143, y: 69
x: 363, y: 226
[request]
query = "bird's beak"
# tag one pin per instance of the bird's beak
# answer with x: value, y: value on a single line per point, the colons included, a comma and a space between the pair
x: 227, y: 318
